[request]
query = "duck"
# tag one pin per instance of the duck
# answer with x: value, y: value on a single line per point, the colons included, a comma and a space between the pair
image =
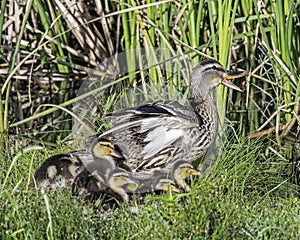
x: 58, y: 171
x: 88, y: 187
x: 104, y: 148
x: 181, y: 171
x: 106, y: 166
x: 119, y: 181
x: 156, y: 135
x: 160, y: 179
x: 156, y: 181
x: 74, y: 170
x: 108, y: 195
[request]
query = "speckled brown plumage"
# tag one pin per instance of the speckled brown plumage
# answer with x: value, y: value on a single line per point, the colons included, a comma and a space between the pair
x: 157, y: 135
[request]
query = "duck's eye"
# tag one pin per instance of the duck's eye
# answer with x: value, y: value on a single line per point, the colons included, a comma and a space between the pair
x: 213, y: 67
x: 105, y: 145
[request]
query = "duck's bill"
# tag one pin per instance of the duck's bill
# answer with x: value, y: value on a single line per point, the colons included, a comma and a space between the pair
x: 175, y: 189
x: 117, y: 154
x: 232, y: 75
x: 193, y: 172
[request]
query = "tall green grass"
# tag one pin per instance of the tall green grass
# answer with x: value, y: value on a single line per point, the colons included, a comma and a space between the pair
x: 247, y: 195
x: 260, y: 39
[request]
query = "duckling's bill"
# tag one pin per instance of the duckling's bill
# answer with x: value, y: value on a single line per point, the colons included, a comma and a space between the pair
x: 165, y: 184
x: 193, y: 172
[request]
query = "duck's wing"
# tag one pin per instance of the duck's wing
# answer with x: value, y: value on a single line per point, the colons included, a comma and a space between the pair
x: 148, y: 133
x: 161, y: 108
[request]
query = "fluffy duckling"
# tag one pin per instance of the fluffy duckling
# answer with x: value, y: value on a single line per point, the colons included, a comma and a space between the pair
x: 103, y: 147
x: 181, y: 171
x: 107, y: 167
x: 58, y: 171
x: 119, y: 181
x: 159, y: 179
x: 155, y: 181
x: 61, y: 170
x: 88, y: 186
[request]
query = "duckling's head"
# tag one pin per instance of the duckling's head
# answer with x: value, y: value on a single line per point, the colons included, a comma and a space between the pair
x: 119, y: 181
x: 120, y: 178
x: 164, y: 183
x: 104, y: 147
x: 208, y: 74
x: 184, y: 170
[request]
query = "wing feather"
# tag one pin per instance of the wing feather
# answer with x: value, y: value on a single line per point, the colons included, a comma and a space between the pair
x: 154, y: 127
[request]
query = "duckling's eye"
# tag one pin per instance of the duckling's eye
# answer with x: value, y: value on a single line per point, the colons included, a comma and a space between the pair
x: 213, y: 67
x: 105, y: 145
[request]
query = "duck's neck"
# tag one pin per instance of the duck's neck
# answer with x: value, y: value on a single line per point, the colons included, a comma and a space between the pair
x: 204, y: 106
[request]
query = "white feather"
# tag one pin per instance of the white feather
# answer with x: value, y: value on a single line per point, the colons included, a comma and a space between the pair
x: 149, y: 123
x: 160, y: 138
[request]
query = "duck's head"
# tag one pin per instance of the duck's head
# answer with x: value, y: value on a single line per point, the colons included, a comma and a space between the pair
x: 104, y: 147
x: 119, y: 181
x: 163, y: 184
x: 120, y: 178
x: 183, y: 170
x: 208, y: 74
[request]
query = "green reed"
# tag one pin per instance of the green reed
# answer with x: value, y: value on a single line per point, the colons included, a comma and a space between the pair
x: 263, y: 40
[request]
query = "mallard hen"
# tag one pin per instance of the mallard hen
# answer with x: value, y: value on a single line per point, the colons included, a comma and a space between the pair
x: 157, y: 135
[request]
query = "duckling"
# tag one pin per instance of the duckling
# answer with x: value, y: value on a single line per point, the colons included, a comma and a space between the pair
x: 88, y: 187
x: 159, y: 179
x: 155, y: 181
x: 119, y: 180
x: 58, y: 171
x: 103, y: 147
x: 160, y: 184
x: 105, y: 166
x: 181, y: 171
